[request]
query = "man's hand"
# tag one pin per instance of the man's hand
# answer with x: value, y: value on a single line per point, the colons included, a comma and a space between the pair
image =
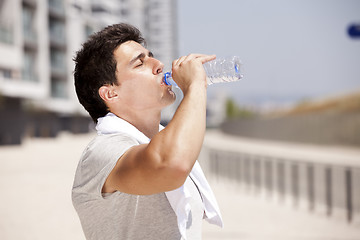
x: 188, y: 70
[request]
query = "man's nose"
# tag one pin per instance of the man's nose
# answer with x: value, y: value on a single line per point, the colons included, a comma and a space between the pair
x: 158, y: 66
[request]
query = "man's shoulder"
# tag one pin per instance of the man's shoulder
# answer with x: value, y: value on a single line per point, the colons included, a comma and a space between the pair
x: 107, y: 147
x: 98, y: 159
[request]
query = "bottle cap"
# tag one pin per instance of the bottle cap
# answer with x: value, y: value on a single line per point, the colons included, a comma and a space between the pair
x: 167, y: 75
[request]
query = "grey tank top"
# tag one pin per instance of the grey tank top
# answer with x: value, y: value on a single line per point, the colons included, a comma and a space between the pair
x: 120, y: 215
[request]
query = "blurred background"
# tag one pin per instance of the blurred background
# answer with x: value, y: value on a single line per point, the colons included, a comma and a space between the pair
x: 288, y: 132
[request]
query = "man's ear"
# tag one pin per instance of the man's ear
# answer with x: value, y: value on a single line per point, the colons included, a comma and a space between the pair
x: 108, y: 93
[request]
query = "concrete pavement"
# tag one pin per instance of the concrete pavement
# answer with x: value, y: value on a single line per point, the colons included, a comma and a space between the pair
x: 247, y: 217
x: 35, y: 183
x: 36, y: 180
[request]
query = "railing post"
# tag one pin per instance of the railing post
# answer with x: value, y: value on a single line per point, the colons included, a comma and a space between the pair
x: 268, y: 178
x: 257, y: 175
x: 328, y: 191
x: 295, y: 184
x: 280, y: 168
x: 355, y: 176
x: 349, y: 197
x: 310, y: 187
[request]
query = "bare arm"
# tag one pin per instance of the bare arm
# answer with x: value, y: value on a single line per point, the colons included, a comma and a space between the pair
x: 165, y: 162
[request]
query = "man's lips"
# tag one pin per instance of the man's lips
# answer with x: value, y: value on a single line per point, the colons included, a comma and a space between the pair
x: 163, y: 80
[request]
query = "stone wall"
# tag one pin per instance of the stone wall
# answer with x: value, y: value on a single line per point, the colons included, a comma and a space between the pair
x: 320, y: 128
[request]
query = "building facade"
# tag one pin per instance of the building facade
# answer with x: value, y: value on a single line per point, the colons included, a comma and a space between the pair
x: 38, y: 40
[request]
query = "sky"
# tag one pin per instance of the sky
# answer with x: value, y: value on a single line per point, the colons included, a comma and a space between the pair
x: 291, y: 50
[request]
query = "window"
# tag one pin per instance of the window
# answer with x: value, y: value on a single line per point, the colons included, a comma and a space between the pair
x: 7, y: 73
x: 57, y: 59
x: 57, y: 30
x: 6, y: 21
x: 88, y: 31
x: 29, y: 73
x: 28, y: 28
x: 56, y: 6
x: 58, y: 88
x: 125, y: 12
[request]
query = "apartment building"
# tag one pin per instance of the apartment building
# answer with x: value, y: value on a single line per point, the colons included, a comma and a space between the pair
x: 157, y: 20
x: 38, y: 39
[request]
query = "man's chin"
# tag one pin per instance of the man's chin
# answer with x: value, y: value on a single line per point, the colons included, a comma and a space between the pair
x: 170, y: 98
x: 172, y: 93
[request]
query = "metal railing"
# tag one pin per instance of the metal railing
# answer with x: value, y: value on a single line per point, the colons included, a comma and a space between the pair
x: 329, y: 188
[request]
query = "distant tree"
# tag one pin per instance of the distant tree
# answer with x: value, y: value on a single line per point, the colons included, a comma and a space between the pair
x: 231, y: 108
x: 234, y: 111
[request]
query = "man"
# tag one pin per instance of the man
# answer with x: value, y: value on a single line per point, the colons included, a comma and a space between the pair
x: 132, y: 181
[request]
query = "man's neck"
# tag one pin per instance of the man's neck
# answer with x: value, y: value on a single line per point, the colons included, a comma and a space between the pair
x: 147, y: 123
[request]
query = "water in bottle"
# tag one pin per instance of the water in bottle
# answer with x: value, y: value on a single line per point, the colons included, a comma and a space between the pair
x: 218, y: 70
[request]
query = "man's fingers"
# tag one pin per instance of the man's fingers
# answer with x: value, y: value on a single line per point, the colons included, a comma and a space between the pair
x: 207, y: 58
x: 178, y: 61
x: 202, y: 57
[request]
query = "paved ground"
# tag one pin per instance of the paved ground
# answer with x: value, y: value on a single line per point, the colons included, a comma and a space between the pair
x: 36, y: 179
x: 249, y: 218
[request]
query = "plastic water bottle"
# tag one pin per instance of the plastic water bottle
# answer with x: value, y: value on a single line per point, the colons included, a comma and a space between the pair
x: 218, y: 70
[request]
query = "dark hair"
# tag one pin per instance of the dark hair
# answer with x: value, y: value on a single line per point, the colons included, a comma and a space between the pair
x: 95, y: 65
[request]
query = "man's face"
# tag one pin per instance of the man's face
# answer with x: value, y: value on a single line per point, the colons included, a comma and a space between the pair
x: 140, y: 78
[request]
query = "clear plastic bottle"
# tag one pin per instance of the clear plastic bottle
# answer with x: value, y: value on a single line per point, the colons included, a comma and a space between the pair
x: 218, y: 70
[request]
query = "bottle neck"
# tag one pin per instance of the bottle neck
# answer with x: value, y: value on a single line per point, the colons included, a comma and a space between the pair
x: 167, y: 76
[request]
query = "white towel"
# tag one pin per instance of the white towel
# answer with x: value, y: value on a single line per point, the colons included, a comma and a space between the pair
x: 178, y: 198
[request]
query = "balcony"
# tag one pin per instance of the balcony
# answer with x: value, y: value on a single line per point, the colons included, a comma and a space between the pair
x: 29, y: 76
x: 30, y: 3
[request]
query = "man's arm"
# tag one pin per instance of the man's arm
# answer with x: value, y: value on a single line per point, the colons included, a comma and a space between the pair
x: 164, y: 163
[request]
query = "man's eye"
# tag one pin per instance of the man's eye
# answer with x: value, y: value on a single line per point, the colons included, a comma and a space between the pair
x: 139, y: 64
